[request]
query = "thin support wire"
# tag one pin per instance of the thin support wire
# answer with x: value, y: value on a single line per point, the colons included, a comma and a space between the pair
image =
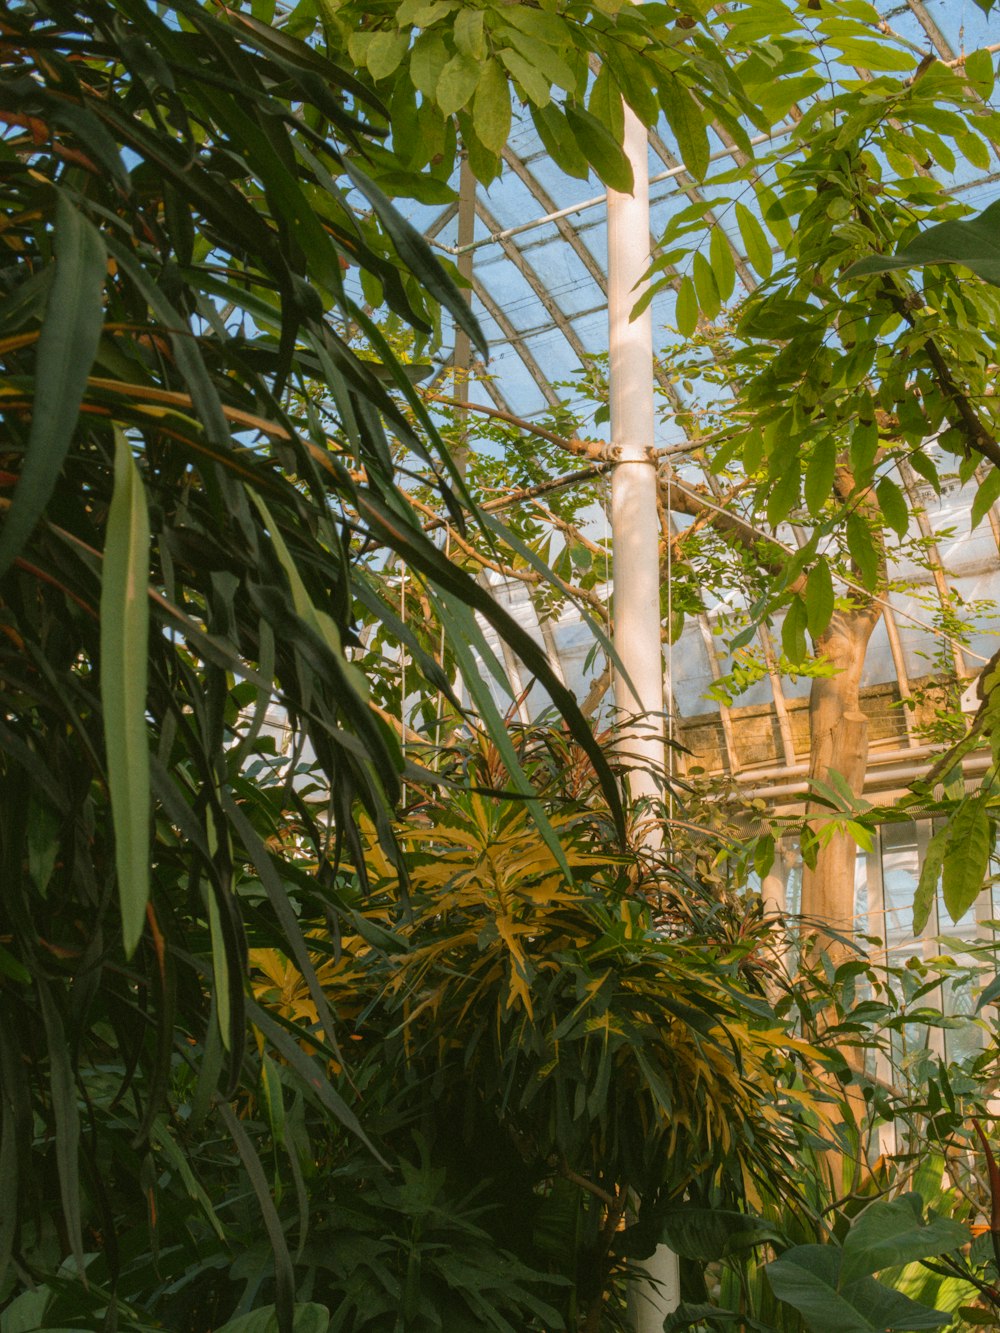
x: 402, y: 677
x: 670, y: 652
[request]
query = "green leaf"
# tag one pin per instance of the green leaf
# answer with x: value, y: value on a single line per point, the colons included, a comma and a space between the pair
x: 162, y: 1139
x: 468, y: 33
x: 544, y: 58
x: 422, y: 13
x: 704, y: 281
x: 44, y: 841
x: 457, y: 83
x: 966, y: 858
x: 67, y: 345
x: 878, y: 56
x: 62, y: 1083
x: 27, y: 301
x: 385, y: 51
x: 820, y: 471
x: 686, y: 309
x: 635, y: 79
x: 10, y: 967
x: 864, y: 451
x: 284, y: 1273
x: 807, y: 1278
x: 418, y: 257
x: 427, y: 61
x: 220, y: 969
x: 891, y: 1234
x: 605, y: 102
x: 755, y: 243
x: 485, y: 164
x: 793, y: 631
x: 309, y: 1318
x: 974, y: 149
x: 687, y: 121
x: 601, y: 150
x: 710, y: 1234
x: 989, y: 994
x: 491, y: 108
x: 893, y: 504
x: 974, y: 243
x: 863, y: 550
x: 124, y: 640
x: 775, y: 214
x: 322, y: 624
x: 819, y: 598
x: 723, y: 264
x: 418, y: 185
x: 272, y: 1097
x: 559, y: 142
x: 980, y: 71
x: 930, y: 873
x: 985, y: 497
x: 532, y: 81
x: 539, y: 24
x: 26, y: 1313
x: 784, y: 495
x: 922, y: 465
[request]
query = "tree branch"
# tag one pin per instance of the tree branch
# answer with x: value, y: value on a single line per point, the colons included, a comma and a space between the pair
x: 977, y: 437
x: 595, y: 449
x: 529, y: 576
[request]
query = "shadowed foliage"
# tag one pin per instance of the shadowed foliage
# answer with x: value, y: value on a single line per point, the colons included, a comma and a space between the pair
x: 186, y: 543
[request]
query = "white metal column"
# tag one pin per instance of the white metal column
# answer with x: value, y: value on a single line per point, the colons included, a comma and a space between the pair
x: 635, y: 542
x: 634, y: 521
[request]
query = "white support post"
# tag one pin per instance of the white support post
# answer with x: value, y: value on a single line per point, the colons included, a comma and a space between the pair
x: 635, y: 528
x: 635, y: 533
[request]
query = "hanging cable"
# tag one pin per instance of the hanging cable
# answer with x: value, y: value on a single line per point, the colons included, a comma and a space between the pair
x: 670, y: 647
x: 402, y: 677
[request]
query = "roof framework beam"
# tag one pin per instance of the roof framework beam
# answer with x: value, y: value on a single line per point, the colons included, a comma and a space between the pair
x: 909, y: 480
x: 536, y: 284
x: 515, y: 339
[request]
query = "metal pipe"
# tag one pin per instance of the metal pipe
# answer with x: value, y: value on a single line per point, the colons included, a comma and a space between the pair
x: 903, y: 773
x: 876, y: 757
x: 595, y: 202
x: 585, y: 205
x: 635, y: 534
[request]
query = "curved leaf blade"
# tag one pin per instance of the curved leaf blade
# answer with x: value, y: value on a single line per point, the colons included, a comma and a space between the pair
x: 890, y: 1234
x: 966, y: 858
x: 124, y: 669
x: 974, y: 243
x: 67, y: 346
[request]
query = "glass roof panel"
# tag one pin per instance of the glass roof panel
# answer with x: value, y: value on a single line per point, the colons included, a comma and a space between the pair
x: 540, y: 299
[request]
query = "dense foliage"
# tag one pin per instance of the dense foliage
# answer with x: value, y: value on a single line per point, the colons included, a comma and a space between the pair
x: 368, y: 1035
x: 182, y: 548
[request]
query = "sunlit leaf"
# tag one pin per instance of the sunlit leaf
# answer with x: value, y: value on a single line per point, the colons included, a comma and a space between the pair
x: 124, y: 642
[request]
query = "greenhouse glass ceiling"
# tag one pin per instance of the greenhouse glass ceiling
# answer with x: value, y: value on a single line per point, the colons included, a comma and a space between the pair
x: 538, y: 252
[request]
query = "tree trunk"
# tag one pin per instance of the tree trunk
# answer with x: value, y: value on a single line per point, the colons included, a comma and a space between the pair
x: 839, y: 742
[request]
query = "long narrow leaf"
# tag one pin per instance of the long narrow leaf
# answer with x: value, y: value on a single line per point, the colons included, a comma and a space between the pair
x: 419, y: 258
x: 284, y: 1275
x: 307, y: 1069
x: 277, y: 894
x: 124, y: 641
x: 66, y: 1112
x: 66, y: 349
x: 414, y: 547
